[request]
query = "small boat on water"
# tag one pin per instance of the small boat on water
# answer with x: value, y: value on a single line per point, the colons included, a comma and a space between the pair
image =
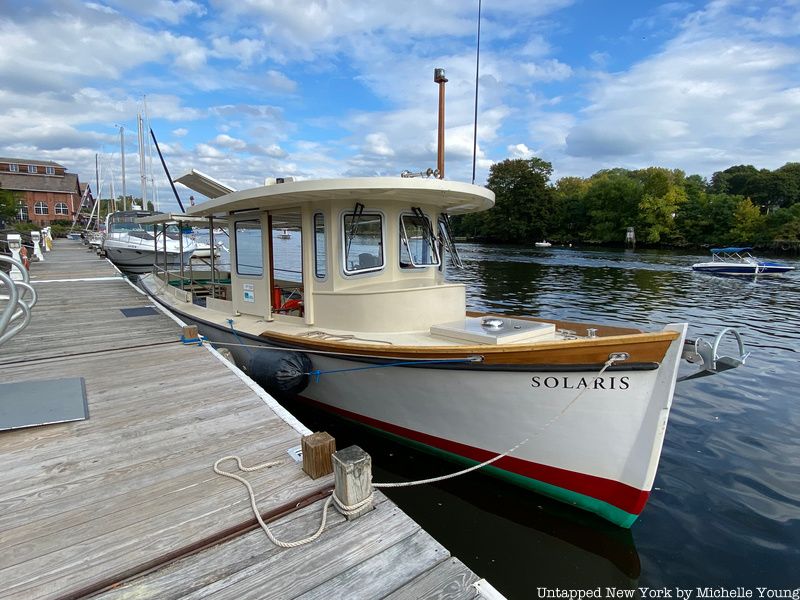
x: 372, y: 330
x: 285, y: 235
x: 543, y: 244
x: 739, y: 261
x: 133, y: 247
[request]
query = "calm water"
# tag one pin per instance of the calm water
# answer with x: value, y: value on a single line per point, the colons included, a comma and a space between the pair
x: 725, y: 510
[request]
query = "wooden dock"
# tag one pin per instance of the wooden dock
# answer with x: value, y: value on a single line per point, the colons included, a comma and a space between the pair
x: 126, y: 504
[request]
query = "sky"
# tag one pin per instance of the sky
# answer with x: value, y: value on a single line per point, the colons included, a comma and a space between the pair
x: 251, y: 89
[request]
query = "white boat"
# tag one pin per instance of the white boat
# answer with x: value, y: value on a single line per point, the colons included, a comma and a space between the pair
x: 134, y: 247
x: 203, y: 250
x: 374, y: 332
x: 543, y: 244
x: 739, y: 261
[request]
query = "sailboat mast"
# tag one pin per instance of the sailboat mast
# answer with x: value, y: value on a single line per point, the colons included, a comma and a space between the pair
x: 122, y: 153
x: 142, y: 166
x: 477, y: 75
x: 145, y: 128
x: 96, y: 200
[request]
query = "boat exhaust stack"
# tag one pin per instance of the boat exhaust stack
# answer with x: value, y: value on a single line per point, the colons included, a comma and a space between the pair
x: 438, y: 77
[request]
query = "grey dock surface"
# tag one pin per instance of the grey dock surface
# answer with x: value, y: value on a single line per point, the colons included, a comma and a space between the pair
x: 126, y: 504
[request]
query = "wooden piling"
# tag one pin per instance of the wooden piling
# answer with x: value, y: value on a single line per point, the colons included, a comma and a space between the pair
x: 317, y: 450
x: 190, y: 332
x: 352, y: 472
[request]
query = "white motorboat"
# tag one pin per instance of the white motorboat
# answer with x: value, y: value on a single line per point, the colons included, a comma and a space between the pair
x: 543, y: 244
x: 370, y: 329
x: 739, y: 261
x: 134, y: 247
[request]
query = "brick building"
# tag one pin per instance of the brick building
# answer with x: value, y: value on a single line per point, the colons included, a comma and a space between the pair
x: 45, y: 192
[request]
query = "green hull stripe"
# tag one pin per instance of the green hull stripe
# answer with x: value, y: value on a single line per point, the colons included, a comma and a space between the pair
x: 604, y: 509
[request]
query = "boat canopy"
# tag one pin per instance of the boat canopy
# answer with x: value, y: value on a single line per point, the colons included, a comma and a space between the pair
x: 172, y: 218
x: 451, y: 197
x: 204, y: 184
x: 730, y: 250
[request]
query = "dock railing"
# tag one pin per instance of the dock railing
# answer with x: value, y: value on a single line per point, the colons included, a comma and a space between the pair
x: 17, y: 298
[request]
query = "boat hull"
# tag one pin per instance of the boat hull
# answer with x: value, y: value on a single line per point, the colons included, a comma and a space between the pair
x: 140, y: 260
x: 593, y: 440
x: 718, y: 268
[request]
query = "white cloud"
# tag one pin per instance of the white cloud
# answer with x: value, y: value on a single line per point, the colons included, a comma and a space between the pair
x: 519, y: 151
x: 709, y: 99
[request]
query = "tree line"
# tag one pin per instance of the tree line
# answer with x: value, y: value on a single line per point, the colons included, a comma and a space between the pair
x: 740, y: 205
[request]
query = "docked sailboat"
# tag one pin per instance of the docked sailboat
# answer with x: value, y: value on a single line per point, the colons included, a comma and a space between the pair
x: 134, y: 247
x: 371, y: 329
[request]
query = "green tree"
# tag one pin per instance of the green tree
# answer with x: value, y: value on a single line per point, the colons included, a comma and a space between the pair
x: 748, y: 223
x: 612, y: 203
x: 733, y: 180
x: 569, y: 208
x: 523, y: 208
x: 8, y: 205
x: 656, y: 222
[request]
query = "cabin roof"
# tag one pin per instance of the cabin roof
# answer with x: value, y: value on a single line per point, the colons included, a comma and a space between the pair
x: 452, y: 197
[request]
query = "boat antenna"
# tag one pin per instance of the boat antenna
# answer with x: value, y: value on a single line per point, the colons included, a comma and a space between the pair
x: 438, y: 77
x: 477, y: 72
x: 166, y: 170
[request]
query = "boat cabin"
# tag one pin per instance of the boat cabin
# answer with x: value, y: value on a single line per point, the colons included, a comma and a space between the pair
x: 370, y: 255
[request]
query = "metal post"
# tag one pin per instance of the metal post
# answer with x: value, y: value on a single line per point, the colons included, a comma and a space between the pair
x: 155, y: 249
x: 180, y: 248
x: 166, y: 260
x: 211, y: 242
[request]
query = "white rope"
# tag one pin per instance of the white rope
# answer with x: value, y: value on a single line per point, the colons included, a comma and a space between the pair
x: 345, y: 509
x: 254, y: 506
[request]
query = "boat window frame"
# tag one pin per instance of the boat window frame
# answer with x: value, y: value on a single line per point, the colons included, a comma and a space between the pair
x: 382, y: 243
x: 260, y: 230
x: 317, y: 255
x: 433, y: 244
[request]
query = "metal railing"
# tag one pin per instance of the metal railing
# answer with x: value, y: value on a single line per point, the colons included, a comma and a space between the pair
x: 15, y: 313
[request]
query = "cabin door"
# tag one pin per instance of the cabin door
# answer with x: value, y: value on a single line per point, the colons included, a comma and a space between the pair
x: 286, y: 264
x: 250, y: 264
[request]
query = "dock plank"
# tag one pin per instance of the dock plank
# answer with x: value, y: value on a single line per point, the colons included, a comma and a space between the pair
x: 126, y: 503
x: 448, y: 580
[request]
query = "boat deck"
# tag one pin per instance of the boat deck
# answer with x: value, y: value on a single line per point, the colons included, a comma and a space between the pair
x: 126, y: 502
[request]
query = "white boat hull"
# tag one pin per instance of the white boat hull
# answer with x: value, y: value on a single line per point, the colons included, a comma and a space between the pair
x: 597, y: 449
x: 136, y: 258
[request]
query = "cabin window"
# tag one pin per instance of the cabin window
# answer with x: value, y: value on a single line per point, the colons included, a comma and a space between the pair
x: 320, y: 253
x: 363, y: 242
x: 40, y: 208
x: 417, y: 243
x: 249, y: 248
x: 62, y: 208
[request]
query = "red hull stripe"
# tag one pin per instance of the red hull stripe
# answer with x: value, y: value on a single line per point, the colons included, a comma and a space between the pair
x: 624, y: 497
